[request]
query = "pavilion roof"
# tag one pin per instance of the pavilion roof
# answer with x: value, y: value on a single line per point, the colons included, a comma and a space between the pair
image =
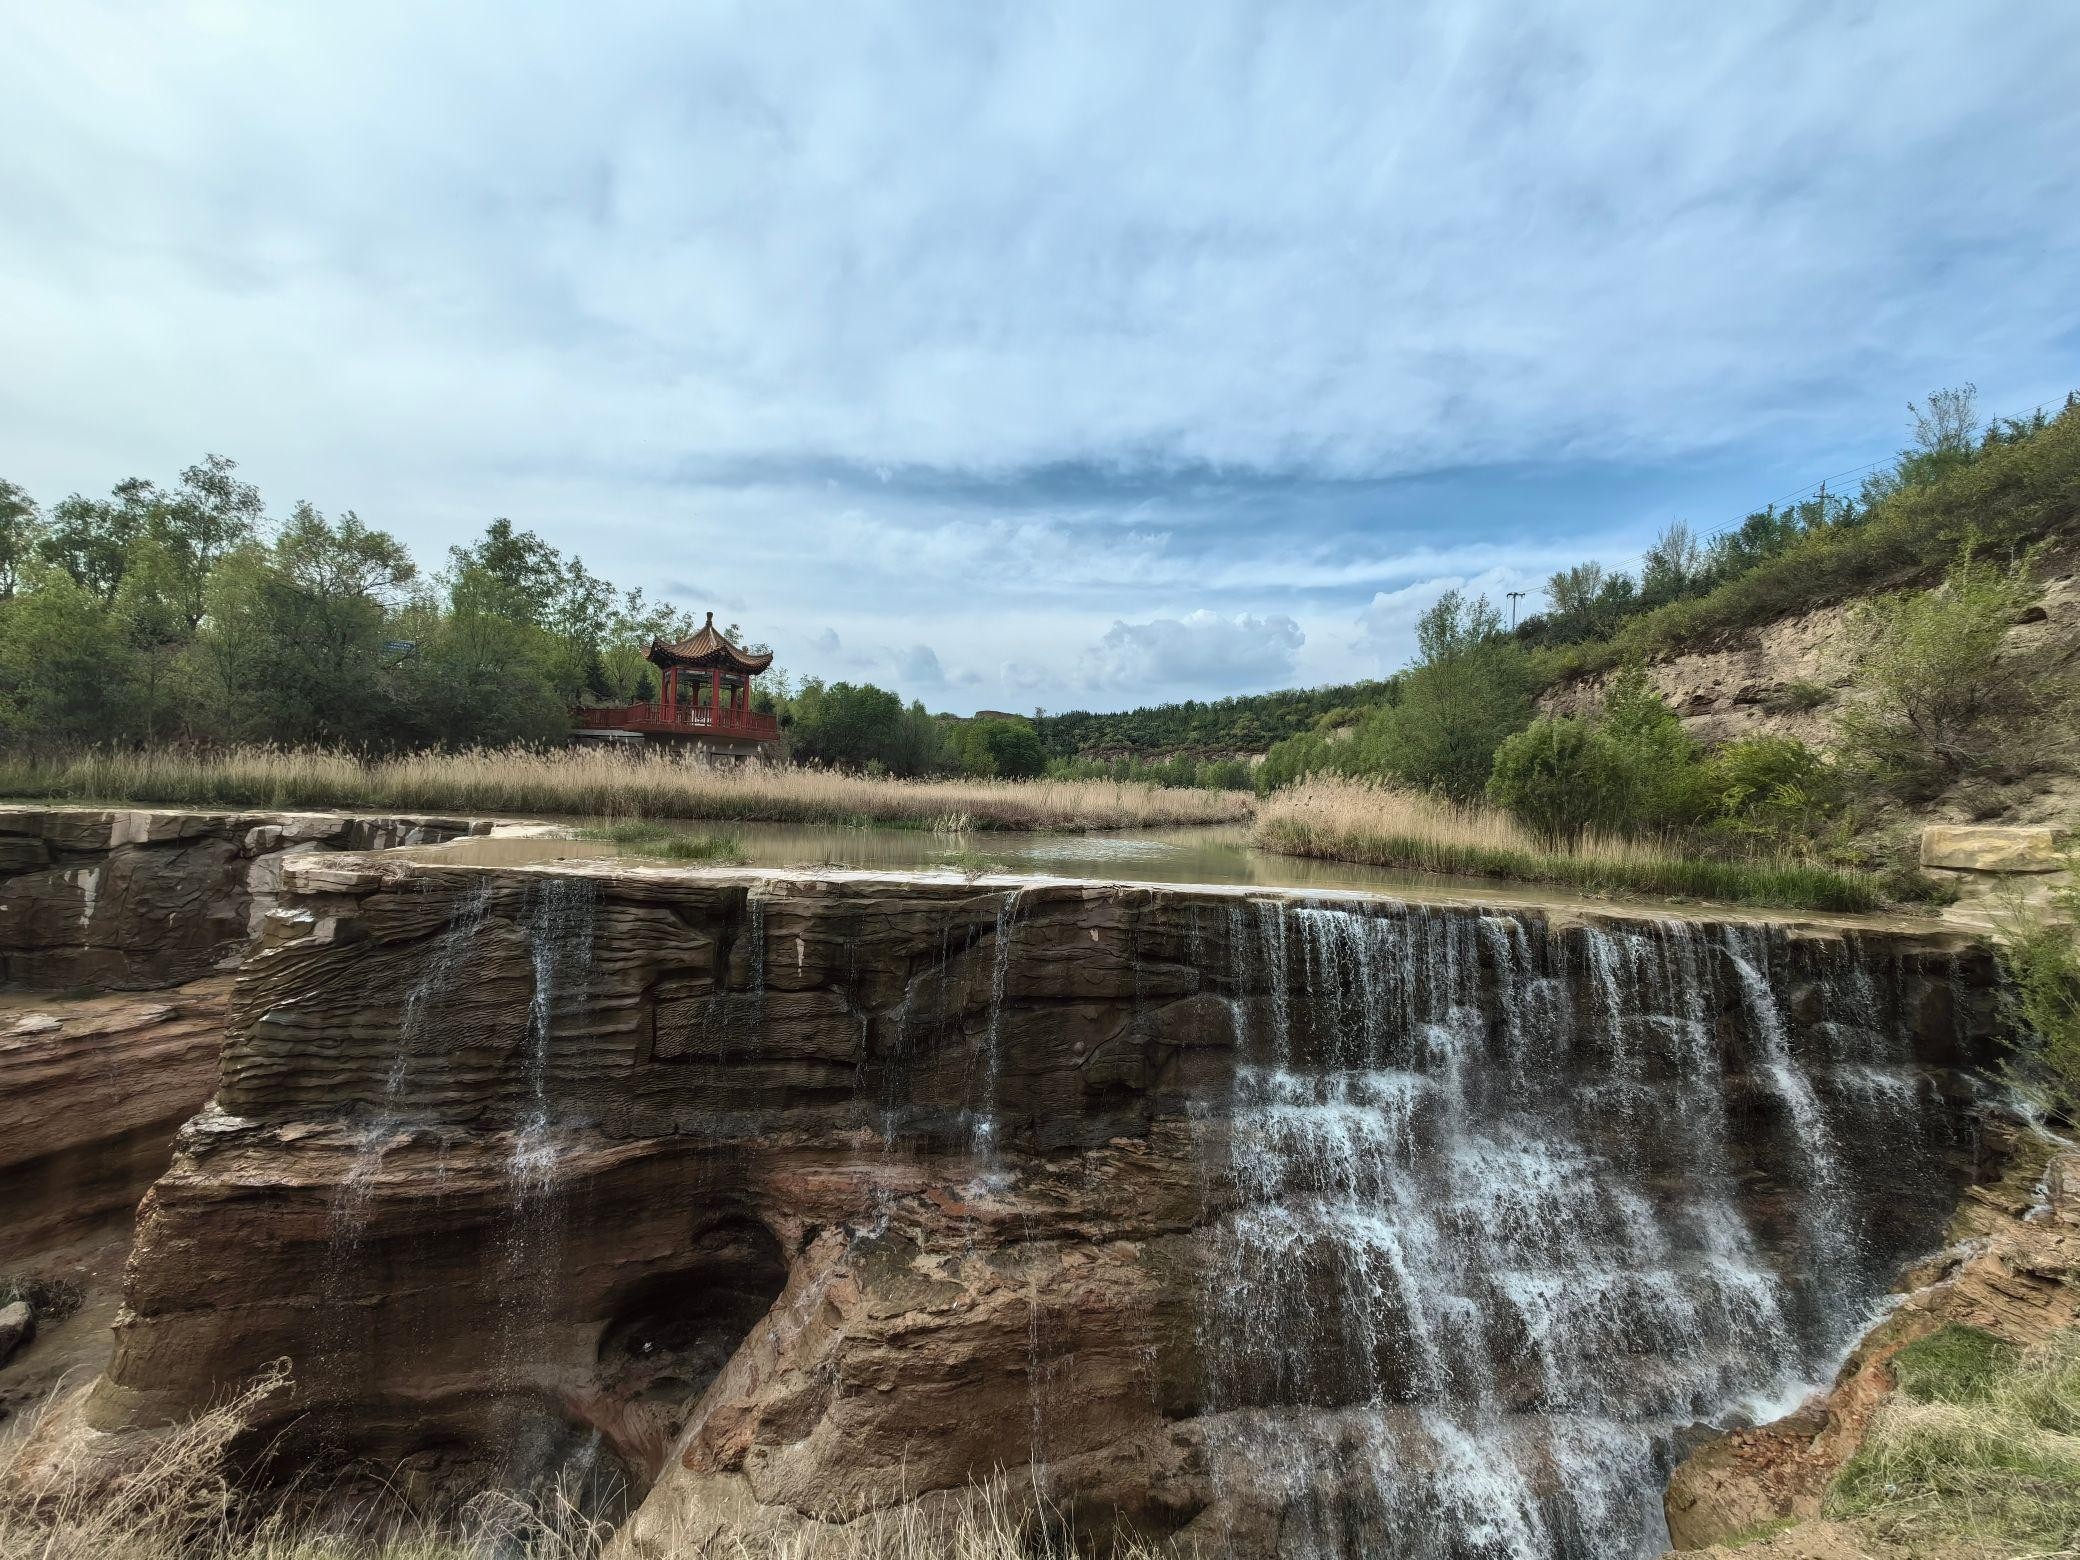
x: 707, y: 648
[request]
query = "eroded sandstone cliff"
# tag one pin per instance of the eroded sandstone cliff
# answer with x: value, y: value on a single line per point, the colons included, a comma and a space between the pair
x: 1300, y: 1225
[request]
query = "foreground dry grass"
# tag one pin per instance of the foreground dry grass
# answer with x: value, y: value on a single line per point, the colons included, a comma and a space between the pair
x: 602, y: 784
x: 1985, y: 1446
x: 1381, y: 826
x: 176, y: 1500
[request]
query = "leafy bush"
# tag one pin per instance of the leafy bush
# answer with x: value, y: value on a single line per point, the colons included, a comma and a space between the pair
x: 1000, y: 749
x: 1937, y: 700
x: 1776, y: 789
x: 1559, y: 778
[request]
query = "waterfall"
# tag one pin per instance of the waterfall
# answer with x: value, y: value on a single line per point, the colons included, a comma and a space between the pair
x: 983, y: 1116
x: 1480, y: 1245
x: 347, y: 1217
x: 560, y: 924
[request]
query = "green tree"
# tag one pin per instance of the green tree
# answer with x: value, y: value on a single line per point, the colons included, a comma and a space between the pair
x: 1469, y: 689
x: 1558, y: 777
x: 59, y: 673
x: 21, y: 525
x: 1657, y: 781
x: 1004, y: 749
x: 91, y: 539
x: 294, y: 639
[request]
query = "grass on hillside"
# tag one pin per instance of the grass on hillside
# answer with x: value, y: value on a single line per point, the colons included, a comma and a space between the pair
x: 174, y: 1494
x: 2011, y: 497
x: 1380, y: 826
x: 1980, y: 1442
x: 600, y: 783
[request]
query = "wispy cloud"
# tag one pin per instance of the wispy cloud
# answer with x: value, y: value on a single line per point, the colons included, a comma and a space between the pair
x: 1079, y: 311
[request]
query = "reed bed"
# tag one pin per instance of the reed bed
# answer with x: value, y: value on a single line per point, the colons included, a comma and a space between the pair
x: 600, y: 783
x: 1382, y: 826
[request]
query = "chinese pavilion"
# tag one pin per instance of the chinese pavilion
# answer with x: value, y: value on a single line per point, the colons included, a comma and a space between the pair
x: 706, y: 699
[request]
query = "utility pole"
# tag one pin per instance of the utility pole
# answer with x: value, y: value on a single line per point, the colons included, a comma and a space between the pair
x: 1513, y: 595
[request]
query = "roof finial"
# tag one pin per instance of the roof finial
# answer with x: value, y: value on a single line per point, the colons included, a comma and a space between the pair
x: 711, y: 618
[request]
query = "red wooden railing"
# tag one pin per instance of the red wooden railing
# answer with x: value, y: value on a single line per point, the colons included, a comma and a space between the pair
x: 678, y: 718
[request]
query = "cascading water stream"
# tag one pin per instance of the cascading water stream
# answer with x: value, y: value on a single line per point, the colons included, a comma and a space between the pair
x: 1482, y: 1251
x: 561, y: 920
x: 347, y: 1218
x: 983, y: 1130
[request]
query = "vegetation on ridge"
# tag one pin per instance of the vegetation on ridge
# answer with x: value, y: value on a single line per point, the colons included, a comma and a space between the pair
x: 1980, y: 1442
x: 1362, y: 821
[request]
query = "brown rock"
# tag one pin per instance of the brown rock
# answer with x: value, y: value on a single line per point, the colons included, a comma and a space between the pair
x: 1988, y: 848
x: 134, y: 898
x: 17, y: 1327
x: 92, y: 1093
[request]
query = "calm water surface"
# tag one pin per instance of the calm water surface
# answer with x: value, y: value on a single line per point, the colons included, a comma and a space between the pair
x: 1218, y: 853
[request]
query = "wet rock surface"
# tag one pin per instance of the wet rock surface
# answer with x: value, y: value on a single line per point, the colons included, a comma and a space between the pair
x: 1290, y: 1225
x: 2010, y: 1271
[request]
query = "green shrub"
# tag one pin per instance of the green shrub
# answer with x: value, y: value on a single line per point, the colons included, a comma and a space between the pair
x: 1775, y: 789
x: 648, y: 838
x: 1938, y: 701
x: 1001, y: 749
x: 1558, y: 778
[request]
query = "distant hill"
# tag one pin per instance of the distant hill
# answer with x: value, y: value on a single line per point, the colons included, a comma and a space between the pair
x: 1248, y: 723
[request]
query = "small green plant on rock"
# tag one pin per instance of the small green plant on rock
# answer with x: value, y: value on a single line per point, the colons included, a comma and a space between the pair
x: 1939, y: 698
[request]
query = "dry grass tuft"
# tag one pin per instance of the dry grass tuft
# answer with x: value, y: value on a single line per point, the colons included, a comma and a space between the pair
x: 1385, y: 826
x: 1998, y: 1459
x: 601, y: 783
x: 172, y: 1497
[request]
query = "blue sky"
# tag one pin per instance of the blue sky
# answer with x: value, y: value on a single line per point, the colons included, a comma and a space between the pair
x: 1060, y: 354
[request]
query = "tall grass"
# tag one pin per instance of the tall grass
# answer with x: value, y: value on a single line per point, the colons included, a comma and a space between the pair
x: 175, y: 1496
x: 600, y: 783
x: 1991, y: 1454
x: 1381, y: 826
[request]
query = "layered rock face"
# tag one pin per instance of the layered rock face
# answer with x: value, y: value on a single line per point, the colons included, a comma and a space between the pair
x: 1307, y: 1226
x: 132, y: 899
x: 92, y: 1092
x: 95, y: 903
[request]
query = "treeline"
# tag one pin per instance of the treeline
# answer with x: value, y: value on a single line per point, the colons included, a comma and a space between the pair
x: 185, y: 613
x: 1935, y: 701
x: 1248, y: 723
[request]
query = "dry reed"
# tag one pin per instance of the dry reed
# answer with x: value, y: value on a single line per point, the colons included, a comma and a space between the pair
x: 1385, y: 826
x: 173, y: 1496
x: 1993, y: 1459
x: 600, y: 783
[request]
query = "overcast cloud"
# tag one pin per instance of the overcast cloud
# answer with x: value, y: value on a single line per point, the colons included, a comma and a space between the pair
x: 1075, y: 353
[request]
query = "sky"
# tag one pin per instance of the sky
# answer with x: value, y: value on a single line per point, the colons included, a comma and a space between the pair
x: 1032, y: 354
